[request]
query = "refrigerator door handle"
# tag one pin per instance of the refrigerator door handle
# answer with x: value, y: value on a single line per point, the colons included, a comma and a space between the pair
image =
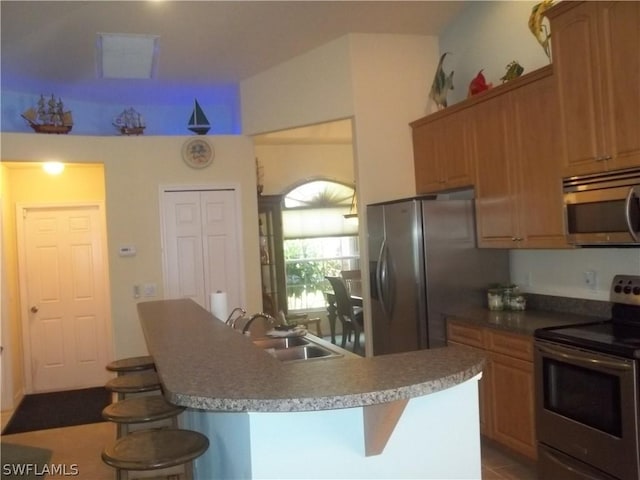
x: 381, y: 276
x: 389, y: 284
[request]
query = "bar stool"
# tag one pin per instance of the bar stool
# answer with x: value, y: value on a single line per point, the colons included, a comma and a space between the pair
x: 142, y: 409
x: 146, y: 450
x: 131, y: 364
x: 134, y: 383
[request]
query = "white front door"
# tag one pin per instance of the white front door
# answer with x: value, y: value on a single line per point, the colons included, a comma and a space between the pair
x: 63, y: 293
x: 201, y: 245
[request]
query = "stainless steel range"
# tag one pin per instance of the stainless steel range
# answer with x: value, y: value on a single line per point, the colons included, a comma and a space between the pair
x: 587, y: 393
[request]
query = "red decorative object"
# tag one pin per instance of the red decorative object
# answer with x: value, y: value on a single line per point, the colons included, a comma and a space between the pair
x: 478, y: 84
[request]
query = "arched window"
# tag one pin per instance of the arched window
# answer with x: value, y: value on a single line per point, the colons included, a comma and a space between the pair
x: 318, y: 240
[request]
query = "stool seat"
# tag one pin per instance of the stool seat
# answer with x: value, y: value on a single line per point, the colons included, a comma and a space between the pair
x: 131, y: 364
x: 134, y: 383
x: 140, y: 410
x: 155, y: 449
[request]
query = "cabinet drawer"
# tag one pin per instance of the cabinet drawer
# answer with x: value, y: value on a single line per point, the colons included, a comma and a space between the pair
x: 465, y: 334
x: 517, y: 346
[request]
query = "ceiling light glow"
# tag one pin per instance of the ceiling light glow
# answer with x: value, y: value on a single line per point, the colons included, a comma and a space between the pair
x: 53, y: 168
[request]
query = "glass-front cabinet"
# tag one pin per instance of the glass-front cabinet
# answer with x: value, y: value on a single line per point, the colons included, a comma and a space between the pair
x: 274, y: 294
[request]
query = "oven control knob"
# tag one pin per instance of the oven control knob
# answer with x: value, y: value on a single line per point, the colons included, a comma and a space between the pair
x: 617, y: 288
x: 636, y: 290
x: 627, y: 289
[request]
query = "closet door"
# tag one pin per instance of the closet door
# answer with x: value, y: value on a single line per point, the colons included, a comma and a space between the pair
x: 201, y: 245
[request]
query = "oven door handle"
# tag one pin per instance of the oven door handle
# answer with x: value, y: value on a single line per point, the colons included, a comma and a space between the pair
x: 634, y: 192
x: 587, y: 362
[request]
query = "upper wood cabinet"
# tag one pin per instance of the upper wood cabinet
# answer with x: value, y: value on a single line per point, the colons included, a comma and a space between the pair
x: 516, y: 145
x: 442, y: 159
x: 596, y: 58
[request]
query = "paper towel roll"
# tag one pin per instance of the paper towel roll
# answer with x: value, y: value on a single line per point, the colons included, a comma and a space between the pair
x: 219, y: 305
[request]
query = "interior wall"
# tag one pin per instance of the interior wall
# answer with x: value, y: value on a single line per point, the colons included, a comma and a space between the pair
x: 287, y: 165
x: 489, y: 35
x: 168, y: 115
x: 134, y: 170
x: 12, y: 365
x: 308, y: 89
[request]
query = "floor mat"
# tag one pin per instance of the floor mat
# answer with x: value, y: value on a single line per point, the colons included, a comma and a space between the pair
x: 42, y: 411
x: 23, y: 462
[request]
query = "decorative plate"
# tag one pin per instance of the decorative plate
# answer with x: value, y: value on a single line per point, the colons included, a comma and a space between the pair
x: 197, y: 153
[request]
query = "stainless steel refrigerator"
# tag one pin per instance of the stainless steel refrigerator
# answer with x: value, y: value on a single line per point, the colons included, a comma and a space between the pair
x: 424, y: 262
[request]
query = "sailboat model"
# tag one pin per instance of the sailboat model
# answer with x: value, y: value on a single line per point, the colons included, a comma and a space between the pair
x: 198, y: 123
x: 49, y: 116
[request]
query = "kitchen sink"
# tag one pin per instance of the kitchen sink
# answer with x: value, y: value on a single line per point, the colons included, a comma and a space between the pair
x: 280, y: 343
x: 291, y: 349
x: 305, y: 352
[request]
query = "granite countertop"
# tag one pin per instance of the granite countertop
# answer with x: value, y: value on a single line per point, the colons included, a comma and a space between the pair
x: 204, y: 364
x: 520, y: 322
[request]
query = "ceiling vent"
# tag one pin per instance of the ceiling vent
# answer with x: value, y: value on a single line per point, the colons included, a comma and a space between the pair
x: 120, y: 55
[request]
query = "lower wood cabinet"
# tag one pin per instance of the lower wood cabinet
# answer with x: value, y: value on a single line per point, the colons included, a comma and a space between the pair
x: 507, y: 385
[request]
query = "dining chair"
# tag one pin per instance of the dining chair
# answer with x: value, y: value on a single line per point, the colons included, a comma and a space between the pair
x: 350, y: 316
x: 353, y: 280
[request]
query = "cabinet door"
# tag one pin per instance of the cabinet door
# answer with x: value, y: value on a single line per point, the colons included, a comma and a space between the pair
x: 484, y: 392
x: 470, y: 336
x: 620, y: 70
x: 575, y: 61
x: 538, y: 150
x: 425, y: 157
x: 597, y: 64
x: 441, y: 154
x: 513, y: 403
x: 495, y: 206
x: 456, y: 159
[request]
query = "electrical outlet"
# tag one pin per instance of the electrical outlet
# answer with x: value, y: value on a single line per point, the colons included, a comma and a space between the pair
x: 149, y: 290
x: 591, y: 279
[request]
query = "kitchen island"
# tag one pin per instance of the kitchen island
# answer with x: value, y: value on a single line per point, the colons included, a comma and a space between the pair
x: 409, y: 415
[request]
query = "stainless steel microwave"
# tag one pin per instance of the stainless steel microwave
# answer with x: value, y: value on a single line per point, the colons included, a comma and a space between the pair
x: 603, y: 209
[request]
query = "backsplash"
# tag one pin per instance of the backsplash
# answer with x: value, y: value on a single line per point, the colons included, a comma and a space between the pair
x: 578, y: 306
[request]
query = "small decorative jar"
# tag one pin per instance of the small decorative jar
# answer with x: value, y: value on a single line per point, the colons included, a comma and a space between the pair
x: 517, y: 302
x: 495, y: 299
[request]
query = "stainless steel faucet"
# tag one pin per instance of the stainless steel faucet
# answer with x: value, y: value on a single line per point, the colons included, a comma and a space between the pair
x: 266, y: 316
x: 231, y: 319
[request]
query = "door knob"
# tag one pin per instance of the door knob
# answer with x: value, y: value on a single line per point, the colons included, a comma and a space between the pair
x: 34, y: 309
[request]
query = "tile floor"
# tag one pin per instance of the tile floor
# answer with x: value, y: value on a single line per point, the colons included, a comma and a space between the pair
x: 82, y: 445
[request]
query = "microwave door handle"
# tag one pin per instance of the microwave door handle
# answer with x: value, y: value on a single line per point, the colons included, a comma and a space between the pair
x: 634, y: 192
